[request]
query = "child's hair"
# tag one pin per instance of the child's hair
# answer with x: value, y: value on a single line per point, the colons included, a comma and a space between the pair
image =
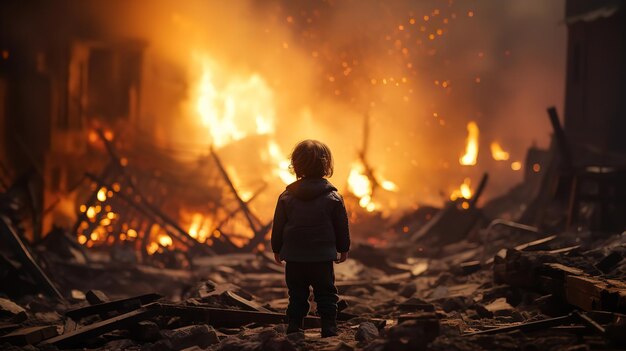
x: 312, y: 159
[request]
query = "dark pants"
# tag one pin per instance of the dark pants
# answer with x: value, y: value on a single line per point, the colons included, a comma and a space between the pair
x: 319, y: 275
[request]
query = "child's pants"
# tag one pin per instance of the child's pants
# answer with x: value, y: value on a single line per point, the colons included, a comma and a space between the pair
x: 319, y: 275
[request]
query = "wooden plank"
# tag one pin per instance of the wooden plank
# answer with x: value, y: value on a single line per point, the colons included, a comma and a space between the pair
x: 527, y: 327
x: 7, y: 327
x: 245, y: 303
x: 219, y: 317
x: 584, y: 292
x: 112, y: 306
x: 78, y: 337
x: 30, y: 335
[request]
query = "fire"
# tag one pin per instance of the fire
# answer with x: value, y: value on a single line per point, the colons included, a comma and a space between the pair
x: 471, y: 149
x: 464, y: 191
x: 165, y: 240
x: 238, y: 107
x: 281, y: 165
x: 498, y: 153
x: 200, y: 227
x: 361, y: 186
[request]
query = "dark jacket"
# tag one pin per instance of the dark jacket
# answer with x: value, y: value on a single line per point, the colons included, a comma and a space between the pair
x: 310, y: 222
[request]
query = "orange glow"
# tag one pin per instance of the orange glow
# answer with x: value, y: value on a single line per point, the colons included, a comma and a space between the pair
x: 91, y: 212
x: 536, y: 168
x: 498, y: 153
x: 516, y: 165
x: 464, y: 191
x: 165, y: 240
x: 102, y: 194
x: 471, y: 148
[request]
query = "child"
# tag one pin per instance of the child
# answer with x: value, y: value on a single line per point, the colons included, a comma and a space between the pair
x: 310, y: 228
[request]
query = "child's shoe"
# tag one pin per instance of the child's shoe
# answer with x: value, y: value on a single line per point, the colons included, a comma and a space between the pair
x: 329, y: 328
x: 295, y: 326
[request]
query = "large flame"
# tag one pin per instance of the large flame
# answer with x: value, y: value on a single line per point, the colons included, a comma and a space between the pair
x: 471, y: 149
x: 238, y: 107
x: 498, y: 153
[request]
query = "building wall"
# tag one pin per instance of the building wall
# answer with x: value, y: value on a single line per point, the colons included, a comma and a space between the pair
x: 596, y: 79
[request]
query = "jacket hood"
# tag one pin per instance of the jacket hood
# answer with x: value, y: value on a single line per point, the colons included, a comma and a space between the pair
x: 309, y: 189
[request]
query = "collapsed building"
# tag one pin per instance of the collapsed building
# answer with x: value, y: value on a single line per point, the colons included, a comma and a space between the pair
x: 111, y: 243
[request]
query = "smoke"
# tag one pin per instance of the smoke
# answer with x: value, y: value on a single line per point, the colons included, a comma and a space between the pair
x: 420, y: 70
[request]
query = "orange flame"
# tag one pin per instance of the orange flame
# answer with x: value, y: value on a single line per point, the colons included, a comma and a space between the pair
x: 471, y: 149
x: 464, y: 191
x: 360, y: 185
x: 498, y: 153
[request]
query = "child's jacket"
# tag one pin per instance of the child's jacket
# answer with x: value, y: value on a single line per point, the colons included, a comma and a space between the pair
x: 310, y: 222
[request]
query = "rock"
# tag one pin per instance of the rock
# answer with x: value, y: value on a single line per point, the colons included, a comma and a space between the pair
x: 280, y: 344
x: 194, y: 335
x: 414, y: 333
x: 77, y: 295
x: 296, y: 337
x: 268, y: 334
x: 12, y: 311
x: 408, y: 290
x: 366, y: 332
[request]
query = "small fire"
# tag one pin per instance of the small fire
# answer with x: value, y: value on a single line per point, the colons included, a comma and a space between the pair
x: 463, y: 192
x: 200, y: 227
x: 361, y: 186
x: 471, y: 149
x: 498, y: 153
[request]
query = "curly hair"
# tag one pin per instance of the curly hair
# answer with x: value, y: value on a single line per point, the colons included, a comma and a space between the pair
x: 311, y: 159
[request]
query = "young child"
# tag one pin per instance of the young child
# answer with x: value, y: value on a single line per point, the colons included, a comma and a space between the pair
x: 310, y: 228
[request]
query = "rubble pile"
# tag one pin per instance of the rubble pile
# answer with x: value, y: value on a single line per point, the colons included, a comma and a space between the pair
x: 544, y: 292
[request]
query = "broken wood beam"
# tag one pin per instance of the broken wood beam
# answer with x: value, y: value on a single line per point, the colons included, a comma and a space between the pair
x: 78, y: 337
x: 528, y: 327
x: 258, y: 236
x: 13, y: 241
x: 29, y: 335
x: 113, y: 306
x: 244, y: 303
x: 479, y: 190
x: 227, y: 318
x: 561, y: 138
x: 179, y: 234
x: 156, y: 211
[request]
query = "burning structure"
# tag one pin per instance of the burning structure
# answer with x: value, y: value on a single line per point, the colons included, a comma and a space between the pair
x: 143, y: 145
